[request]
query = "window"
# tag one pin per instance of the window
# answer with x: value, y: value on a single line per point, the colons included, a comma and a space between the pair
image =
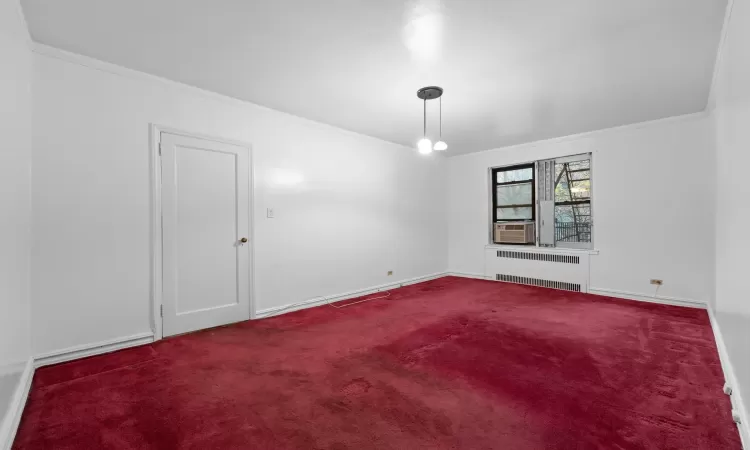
x: 572, y: 201
x: 513, y: 193
x: 554, y: 194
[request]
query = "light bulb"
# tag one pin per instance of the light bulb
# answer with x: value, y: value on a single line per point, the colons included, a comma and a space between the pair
x: 441, y: 146
x: 425, y: 146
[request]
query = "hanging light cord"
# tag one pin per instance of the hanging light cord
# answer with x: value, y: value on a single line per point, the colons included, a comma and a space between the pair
x: 388, y: 294
x: 441, y: 118
x: 424, y: 115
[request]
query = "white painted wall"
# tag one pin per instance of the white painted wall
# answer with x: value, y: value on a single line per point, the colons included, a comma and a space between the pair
x: 363, y: 207
x: 15, y: 200
x: 15, y: 184
x: 653, y: 189
x: 730, y: 105
x: 732, y: 121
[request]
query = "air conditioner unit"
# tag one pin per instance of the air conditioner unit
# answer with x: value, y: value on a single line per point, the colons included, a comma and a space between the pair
x: 515, y: 233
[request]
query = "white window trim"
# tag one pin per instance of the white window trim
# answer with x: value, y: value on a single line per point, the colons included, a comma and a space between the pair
x: 537, y: 249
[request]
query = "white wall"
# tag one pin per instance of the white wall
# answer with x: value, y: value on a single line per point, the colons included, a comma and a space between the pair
x: 15, y: 182
x: 365, y: 206
x: 731, y: 114
x: 15, y: 200
x: 653, y: 194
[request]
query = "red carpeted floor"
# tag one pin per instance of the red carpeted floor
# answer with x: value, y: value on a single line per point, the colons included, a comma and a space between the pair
x: 448, y: 364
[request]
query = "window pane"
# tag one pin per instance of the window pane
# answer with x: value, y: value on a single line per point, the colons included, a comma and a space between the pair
x: 573, y: 181
x: 514, y: 194
x: 522, y: 213
x: 578, y: 165
x: 507, y: 176
x: 573, y: 223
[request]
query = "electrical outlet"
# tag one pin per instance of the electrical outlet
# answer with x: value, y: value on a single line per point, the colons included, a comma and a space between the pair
x: 269, y: 213
x: 657, y: 282
x: 390, y: 272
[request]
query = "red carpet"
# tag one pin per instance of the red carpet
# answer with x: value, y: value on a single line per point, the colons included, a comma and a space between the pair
x: 448, y: 364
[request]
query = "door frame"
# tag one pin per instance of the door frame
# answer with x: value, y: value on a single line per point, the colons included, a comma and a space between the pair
x: 156, y: 246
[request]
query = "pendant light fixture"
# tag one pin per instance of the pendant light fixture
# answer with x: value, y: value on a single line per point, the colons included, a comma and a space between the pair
x: 430, y: 93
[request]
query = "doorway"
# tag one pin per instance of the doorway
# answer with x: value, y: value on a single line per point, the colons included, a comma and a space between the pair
x: 204, y: 200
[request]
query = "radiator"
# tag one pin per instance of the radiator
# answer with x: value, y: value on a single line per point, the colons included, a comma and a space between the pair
x: 557, y: 269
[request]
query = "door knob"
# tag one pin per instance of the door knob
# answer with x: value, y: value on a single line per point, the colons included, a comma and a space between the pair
x: 243, y: 240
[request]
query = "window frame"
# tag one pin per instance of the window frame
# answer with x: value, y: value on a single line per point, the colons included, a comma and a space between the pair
x: 494, y: 185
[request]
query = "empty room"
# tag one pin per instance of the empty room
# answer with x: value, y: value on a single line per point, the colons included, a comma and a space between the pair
x: 366, y: 225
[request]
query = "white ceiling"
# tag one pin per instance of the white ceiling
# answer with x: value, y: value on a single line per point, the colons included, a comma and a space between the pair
x: 513, y: 70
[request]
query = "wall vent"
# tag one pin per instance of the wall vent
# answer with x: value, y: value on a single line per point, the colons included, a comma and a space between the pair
x: 532, y: 256
x: 575, y: 287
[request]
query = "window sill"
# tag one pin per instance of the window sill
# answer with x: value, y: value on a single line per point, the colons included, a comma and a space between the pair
x: 535, y: 249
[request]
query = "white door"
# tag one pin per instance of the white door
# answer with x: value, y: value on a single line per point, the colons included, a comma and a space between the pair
x: 205, y: 233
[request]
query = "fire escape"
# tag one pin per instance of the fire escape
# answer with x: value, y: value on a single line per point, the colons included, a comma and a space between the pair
x: 580, y: 229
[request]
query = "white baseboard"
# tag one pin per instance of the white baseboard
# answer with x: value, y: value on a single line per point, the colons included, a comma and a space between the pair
x: 268, y: 312
x: 662, y: 299
x: 731, y: 380
x: 478, y: 276
x: 83, y: 351
x: 9, y: 425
